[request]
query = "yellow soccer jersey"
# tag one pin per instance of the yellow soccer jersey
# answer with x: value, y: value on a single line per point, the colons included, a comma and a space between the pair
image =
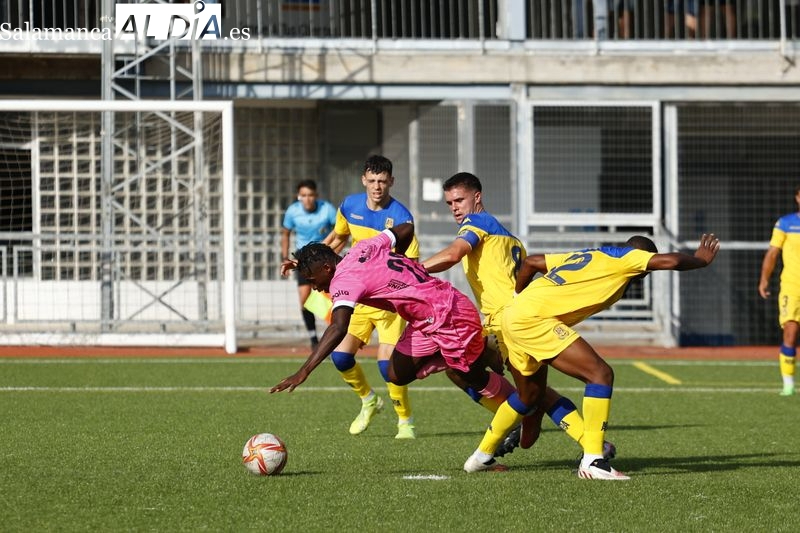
x: 492, y: 264
x: 354, y: 218
x: 786, y: 236
x: 580, y: 284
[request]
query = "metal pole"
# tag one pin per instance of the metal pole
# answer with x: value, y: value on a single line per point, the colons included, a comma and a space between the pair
x: 107, y: 169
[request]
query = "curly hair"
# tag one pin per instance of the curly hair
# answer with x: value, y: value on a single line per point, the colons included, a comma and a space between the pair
x: 314, y: 253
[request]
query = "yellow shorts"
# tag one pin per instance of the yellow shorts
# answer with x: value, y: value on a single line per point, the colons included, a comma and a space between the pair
x: 492, y: 329
x: 788, y: 308
x: 533, y: 339
x: 365, y: 319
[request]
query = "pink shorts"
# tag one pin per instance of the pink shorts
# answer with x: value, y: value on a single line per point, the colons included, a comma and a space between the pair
x: 459, y: 338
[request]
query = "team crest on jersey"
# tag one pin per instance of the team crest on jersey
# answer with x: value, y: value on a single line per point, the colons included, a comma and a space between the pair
x: 561, y: 332
x: 389, y: 223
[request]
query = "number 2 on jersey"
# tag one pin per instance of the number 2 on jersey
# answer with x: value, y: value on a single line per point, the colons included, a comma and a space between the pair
x: 580, y: 261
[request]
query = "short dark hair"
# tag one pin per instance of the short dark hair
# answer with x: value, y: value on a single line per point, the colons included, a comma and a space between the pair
x: 313, y: 254
x: 307, y: 184
x: 463, y: 179
x: 377, y: 164
x: 640, y: 242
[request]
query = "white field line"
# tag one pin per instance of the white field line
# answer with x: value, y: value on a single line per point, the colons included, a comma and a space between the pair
x: 417, y: 389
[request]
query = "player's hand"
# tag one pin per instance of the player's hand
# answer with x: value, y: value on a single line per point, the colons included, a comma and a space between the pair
x: 709, y: 246
x: 290, y: 383
x: 287, y: 265
x: 763, y: 289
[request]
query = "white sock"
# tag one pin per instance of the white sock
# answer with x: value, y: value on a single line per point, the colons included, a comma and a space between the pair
x: 588, y: 459
x: 482, y: 457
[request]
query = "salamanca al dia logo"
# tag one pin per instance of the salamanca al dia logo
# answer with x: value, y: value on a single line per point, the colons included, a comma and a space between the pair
x: 198, y: 20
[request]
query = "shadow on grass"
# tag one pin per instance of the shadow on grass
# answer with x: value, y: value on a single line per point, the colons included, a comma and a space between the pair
x: 676, y: 465
x: 551, y: 428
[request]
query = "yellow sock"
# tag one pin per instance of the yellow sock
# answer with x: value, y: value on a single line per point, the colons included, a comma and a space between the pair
x: 572, y: 424
x: 595, y: 419
x: 787, y: 365
x: 491, y: 404
x: 505, y: 419
x: 357, y: 380
x: 399, y: 397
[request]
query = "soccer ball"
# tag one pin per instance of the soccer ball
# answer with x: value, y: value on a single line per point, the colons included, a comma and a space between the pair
x: 264, y: 455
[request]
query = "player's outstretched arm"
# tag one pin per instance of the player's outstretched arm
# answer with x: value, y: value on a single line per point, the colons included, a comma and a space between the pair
x: 447, y: 257
x: 333, y: 335
x: 705, y: 254
x: 335, y: 241
x: 531, y: 265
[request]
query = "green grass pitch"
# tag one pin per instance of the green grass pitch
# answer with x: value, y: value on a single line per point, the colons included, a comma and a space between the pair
x: 155, y: 445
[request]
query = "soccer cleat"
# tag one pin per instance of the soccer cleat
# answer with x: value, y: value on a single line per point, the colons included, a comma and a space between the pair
x: 509, y: 443
x: 609, y: 450
x: 474, y: 464
x: 788, y: 390
x: 405, y: 430
x: 600, y: 469
x: 368, y: 410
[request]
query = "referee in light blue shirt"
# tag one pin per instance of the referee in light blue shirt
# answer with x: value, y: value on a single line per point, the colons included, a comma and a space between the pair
x: 311, y: 219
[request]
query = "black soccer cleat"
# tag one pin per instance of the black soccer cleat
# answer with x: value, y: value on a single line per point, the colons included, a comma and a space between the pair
x: 509, y: 443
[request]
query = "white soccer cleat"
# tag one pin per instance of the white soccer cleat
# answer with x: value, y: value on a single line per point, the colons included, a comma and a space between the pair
x: 474, y: 464
x: 600, y: 469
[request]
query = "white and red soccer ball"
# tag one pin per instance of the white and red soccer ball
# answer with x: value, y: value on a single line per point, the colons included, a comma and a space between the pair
x: 264, y: 455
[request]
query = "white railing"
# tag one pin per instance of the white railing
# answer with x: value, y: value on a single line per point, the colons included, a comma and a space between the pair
x: 564, y: 20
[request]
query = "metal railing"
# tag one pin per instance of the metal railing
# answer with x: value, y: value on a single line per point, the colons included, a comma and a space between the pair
x: 562, y: 20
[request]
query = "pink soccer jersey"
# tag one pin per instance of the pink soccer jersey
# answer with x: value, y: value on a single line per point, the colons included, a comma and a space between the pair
x: 438, y: 315
x: 373, y: 275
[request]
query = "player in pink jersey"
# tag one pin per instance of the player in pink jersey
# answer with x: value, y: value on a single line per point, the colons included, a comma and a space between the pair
x: 444, y: 326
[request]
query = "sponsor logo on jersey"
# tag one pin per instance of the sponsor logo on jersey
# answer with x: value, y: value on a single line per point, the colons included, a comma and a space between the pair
x: 396, y: 285
x: 561, y: 332
x: 340, y: 293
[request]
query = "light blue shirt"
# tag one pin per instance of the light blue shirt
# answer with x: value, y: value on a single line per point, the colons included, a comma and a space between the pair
x: 309, y: 226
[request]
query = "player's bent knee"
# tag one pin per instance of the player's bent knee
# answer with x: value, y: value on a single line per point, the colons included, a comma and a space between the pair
x: 343, y: 361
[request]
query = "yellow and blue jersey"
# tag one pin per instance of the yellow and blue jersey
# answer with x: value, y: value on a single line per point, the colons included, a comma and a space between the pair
x: 354, y: 218
x: 491, y: 266
x: 580, y: 284
x: 786, y: 236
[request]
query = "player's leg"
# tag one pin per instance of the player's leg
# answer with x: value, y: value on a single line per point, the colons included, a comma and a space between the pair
x: 580, y: 361
x: 564, y: 414
x: 390, y: 327
x: 491, y: 357
x: 303, y: 291
x: 463, y: 347
x: 343, y: 358
x: 789, y: 319
x: 788, y: 356
x: 510, y: 414
x: 415, y: 356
